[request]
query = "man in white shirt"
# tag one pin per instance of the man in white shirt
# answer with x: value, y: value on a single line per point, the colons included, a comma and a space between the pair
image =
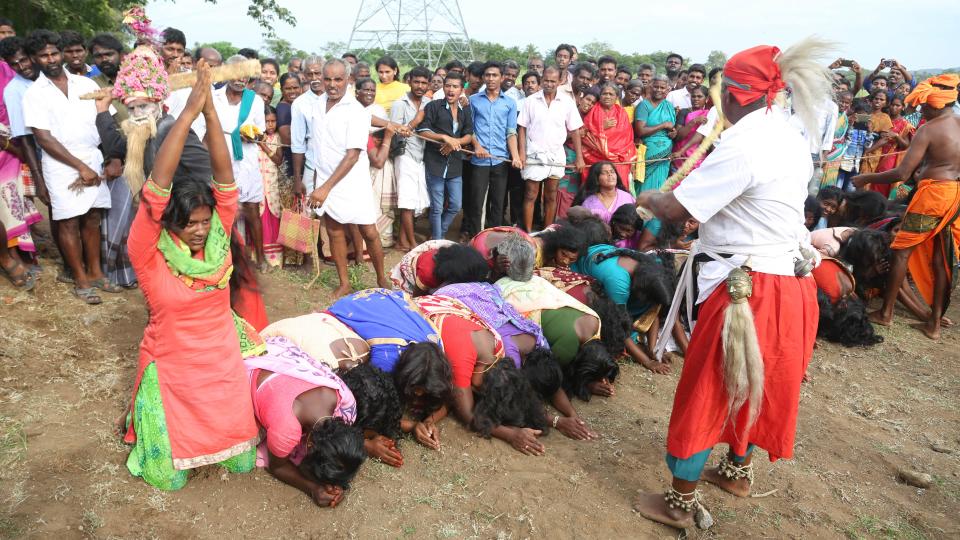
x: 821, y: 141
x: 238, y: 106
x: 329, y: 141
x: 749, y: 197
x: 680, y: 99
x: 546, y: 119
x: 65, y: 128
x: 412, y: 195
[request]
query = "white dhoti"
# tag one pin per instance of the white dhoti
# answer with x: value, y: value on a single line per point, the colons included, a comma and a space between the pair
x: 66, y: 203
x: 351, y: 200
x: 544, y: 164
x: 411, y: 184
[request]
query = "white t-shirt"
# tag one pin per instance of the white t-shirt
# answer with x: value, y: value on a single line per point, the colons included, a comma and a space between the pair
x: 748, y: 196
x: 177, y: 101
x: 680, y: 99
x: 547, y: 126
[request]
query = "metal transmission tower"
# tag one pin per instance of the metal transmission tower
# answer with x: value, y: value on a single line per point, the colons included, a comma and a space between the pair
x: 420, y: 32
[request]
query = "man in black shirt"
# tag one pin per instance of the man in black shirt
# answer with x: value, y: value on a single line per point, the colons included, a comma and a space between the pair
x: 447, y: 122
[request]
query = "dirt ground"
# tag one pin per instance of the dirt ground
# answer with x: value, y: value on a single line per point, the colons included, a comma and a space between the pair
x: 67, y: 370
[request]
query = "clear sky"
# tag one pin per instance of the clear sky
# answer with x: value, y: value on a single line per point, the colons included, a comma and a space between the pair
x: 867, y: 30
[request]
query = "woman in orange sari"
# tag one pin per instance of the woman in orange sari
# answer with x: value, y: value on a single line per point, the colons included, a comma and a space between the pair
x: 892, y: 143
x: 609, y: 135
x: 880, y: 124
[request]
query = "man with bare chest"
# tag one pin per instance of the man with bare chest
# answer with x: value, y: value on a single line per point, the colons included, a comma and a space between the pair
x: 929, y: 236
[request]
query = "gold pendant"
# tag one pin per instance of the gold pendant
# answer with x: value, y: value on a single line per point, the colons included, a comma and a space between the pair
x: 739, y: 285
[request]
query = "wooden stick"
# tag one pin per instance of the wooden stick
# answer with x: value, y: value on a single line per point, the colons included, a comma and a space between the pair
x: 227, y: 72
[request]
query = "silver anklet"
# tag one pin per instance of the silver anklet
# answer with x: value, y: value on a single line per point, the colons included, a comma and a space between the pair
x: 730, y: 471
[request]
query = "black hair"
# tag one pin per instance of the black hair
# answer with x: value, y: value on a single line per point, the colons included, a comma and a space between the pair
x: 864, y: 251
x: 286, y: 77
x: 458, y: 263
x: 606, y: 59
x: 713, y: 73
x: 186, y: 195
x: 651, y: 283
x: 423, y: 366
x: 542, y: 372
x: 862, y: 208
x: 335, y: 452
x: 249, y: 54
x: 346, y: 55
x: 6, y: 22
x: 69, y: 38
x: 529, y: 74
x: 594, y: 230
x: 812, y: 205
x: 453, y: 76
x: 675, y: 55
x: 506, y: 398
x: 881, y: 76
x: 243, y: 276
x: 592, y: 363
x: 172, y: 35
x: 592, y: 184
x: 420, y: 71
x: 106, y: 41
x: 378, y: 403
x: 566, y: 237
x: 268, y: 110
x: 702, y: 89
x: 845, y: 322
x: 564, y: 47
x: 453, y: 64
x: 830, y: 193
x: 272, y: 62
x: 626, y: 214
x: 585, y: 66
x: 386, y: 61
x: 9, y: 46
x: 39, y: 39
x: 615, y: 324
x: 476, y: 69
x: 493, y: 64
x: 364, y: 80
x: 623, y: 69
x: 699, y: 68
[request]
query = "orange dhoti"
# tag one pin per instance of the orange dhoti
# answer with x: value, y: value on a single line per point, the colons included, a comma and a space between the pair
x: 785, y: 313
x: 930, y: 225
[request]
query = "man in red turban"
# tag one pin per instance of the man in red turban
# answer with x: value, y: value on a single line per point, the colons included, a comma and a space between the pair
x: 756, y: 319
x: 929, y: 235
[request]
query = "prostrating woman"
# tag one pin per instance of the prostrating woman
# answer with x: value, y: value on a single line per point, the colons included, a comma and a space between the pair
x: 462, y: 273
x: 307, y: 413
x: 191, y: 404
x: 637, y: 282
x: 389, y: 321
x: 324, y: 338
x: 414, y: 273
x: 609, y: 135
x: 487, y: 240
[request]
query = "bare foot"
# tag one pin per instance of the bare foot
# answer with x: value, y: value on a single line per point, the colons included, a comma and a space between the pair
x: 740, y: 488
x: 931, y: 331
x: 653, y: 507
x: 944, y: 321
x: 877, y: 317
x: 120, y: 426
x: 341, y: 291
x: 385, y: 284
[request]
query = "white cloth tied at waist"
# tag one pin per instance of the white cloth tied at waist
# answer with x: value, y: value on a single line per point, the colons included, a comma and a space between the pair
x: 776, y: 261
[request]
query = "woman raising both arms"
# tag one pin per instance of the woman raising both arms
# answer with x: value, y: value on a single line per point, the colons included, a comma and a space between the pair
x: 191, y: 404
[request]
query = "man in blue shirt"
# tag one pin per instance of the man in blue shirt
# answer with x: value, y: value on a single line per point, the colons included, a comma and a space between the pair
x: 495, y: 143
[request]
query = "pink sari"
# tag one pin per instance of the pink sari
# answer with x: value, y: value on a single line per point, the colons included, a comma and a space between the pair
x: 17, y: 213
x: 692, y: 115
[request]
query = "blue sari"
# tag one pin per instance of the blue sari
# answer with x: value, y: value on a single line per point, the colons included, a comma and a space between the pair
x: 389, y: 322
x: 659, y: 145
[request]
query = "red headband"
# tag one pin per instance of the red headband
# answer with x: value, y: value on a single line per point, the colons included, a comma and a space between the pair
x: 753, y: 74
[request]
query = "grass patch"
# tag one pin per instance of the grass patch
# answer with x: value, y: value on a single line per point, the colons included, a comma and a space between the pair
x: 13, y: 443
x: 867, y: 526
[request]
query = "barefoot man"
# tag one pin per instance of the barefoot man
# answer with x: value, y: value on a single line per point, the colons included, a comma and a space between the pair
x: 930, y: 232
x: 741, y: 380
x: 331, y: 146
